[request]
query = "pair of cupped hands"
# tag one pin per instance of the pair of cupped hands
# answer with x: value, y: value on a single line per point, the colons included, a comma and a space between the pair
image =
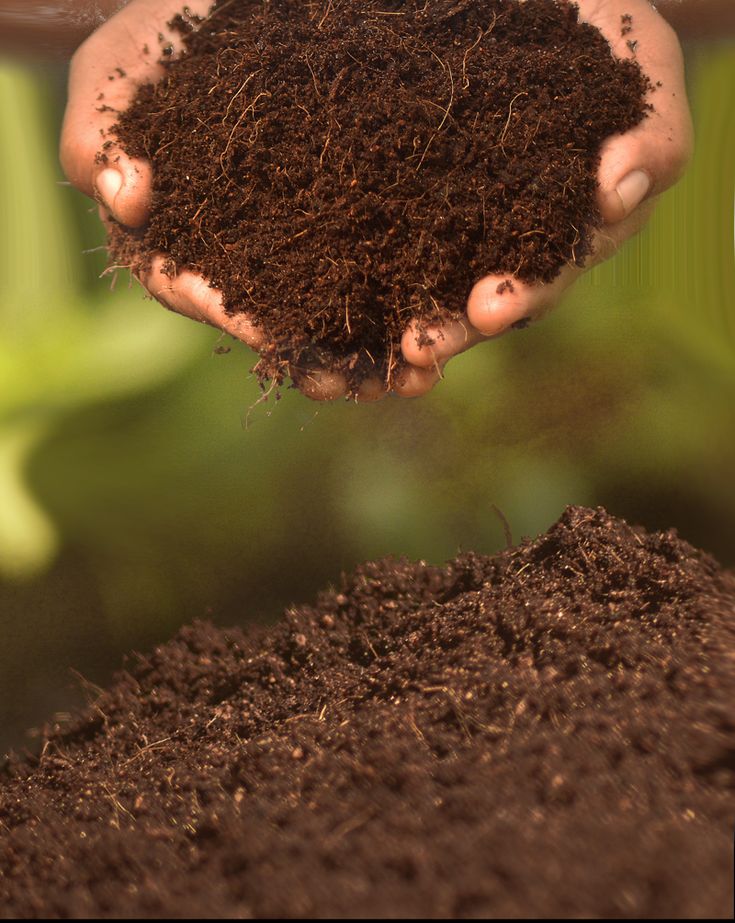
x: 635, y: 168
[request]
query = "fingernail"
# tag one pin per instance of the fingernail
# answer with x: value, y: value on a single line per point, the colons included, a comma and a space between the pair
x: 109, y: 183
x: 633, y: 189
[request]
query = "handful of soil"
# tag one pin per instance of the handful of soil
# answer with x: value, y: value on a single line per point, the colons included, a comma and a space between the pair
x: 544, y: 733
x: 338, y: 169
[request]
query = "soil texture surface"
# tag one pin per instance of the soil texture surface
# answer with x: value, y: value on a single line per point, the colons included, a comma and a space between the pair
x: 339, y: 168
x: 545, y: 733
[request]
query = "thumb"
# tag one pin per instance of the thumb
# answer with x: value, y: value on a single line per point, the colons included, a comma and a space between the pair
x: 640, y: 165
x: 105, y: 75
x: 645, y: 161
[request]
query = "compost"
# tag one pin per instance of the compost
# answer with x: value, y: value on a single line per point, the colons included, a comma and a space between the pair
x: 339, y: 168
x: 545, y: 733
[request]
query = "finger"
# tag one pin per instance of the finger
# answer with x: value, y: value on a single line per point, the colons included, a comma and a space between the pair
x: 433, y: 346
x: 649, y: 158
x: 645, y: 161
x: 319, y: 384
x: 123, y: 185
x: 411, y: 381
x: 104, y: 76
x: 493, y: 307
x: 370, y: 391
x: 191, y: 295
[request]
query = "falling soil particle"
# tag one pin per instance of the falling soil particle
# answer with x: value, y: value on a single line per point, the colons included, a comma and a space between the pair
x: 545, y: 733
x: 338, y: 169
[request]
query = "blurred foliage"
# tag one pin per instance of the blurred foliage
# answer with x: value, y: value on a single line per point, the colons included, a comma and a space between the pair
x: 62, y: 349
x: 134, y: 497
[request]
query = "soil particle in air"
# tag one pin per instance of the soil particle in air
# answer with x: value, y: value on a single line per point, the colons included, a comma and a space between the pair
x: 338, y: 169
x: 544, y: 733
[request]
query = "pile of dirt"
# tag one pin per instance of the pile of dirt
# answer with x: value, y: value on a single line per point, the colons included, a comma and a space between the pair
x: 338, y: 168
x: 548, y: 732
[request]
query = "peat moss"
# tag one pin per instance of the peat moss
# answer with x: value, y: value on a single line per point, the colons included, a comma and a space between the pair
x: 338, y: 168
x: 544, y: 733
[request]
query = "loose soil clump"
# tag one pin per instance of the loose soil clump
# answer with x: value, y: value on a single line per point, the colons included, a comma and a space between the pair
x: 338, y: 169
x: 544, y: 733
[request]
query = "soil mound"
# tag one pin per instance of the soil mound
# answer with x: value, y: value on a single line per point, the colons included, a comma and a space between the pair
x: 339, y: 168
x: 544, y: 733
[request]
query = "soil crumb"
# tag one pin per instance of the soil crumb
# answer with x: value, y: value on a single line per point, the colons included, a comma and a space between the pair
x: 338, y: 169
x: 544, y: 733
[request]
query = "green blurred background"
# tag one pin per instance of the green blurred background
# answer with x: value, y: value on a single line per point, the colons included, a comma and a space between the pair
x: 133, y: 498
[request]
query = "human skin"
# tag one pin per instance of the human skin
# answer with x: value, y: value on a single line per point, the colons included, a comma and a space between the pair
x: 635, y: 169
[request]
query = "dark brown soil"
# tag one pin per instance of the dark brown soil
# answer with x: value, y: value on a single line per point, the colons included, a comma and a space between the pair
x: 549, y: 732
x: 338, y: 168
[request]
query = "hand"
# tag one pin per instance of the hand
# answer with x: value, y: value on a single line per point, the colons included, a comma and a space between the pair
x: 122, y: 185
x: 635, y: 168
